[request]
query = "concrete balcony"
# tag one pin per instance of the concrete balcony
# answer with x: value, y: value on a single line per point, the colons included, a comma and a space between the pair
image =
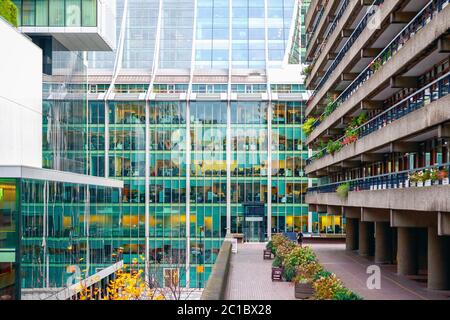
x: 324, y: 18
x: 375, y: 31
x: 78, y: 26
x: 312, y: 12
x: 429, y: 199
x: 399, y: 135
x: 410, y: 60
x: 322, y: 49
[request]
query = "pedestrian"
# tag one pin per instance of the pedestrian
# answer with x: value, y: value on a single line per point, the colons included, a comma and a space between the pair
x: 299, y: 238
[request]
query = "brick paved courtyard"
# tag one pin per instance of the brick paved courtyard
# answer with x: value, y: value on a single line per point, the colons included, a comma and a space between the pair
x: 351, y: 269
x: 250, y: 277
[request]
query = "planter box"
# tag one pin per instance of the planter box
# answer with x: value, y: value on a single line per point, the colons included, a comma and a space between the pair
x: 267, y: 255
x: 420, y: 184
x: 428, y: 183
x: 303, y: 290
x: 445, y: 181
x: 277, y: 274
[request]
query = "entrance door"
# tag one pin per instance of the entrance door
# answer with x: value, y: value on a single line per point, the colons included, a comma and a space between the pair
x: 254, y: 230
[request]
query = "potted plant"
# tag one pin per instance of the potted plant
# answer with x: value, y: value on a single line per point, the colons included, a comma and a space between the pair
x: 304, y: 279
x: 426, y: 178
x: 308, y: 126
x: 443, y: 176
x: 342, y: 190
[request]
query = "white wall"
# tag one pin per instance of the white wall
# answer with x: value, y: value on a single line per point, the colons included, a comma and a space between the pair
x: 20, y: 99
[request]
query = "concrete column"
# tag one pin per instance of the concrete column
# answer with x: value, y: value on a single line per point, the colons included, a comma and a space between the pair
x: 438, y: 260
x: 406, y: 251
x: 351, y: 234
x: 383, y: 242
x: 366, y: 238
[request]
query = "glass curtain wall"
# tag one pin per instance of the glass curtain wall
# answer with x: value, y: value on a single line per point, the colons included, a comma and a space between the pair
x: 208, y: 122
x: 249, y: 158
x: 168, y: 188
x: 57, y: 13
x: 212, y: 34
x: 69, y: 232
x: 176, y: 34
x: 127, y: 163
x: 289, y: 183
x: 9, y: 239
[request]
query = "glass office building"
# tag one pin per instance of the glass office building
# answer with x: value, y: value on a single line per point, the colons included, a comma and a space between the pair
x: 56, y: 232
x: 198, y: 111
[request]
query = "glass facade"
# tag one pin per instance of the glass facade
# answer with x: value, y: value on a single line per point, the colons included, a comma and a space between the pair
x: 57, y: 233
x: 57, y: 13
x: 191, y: 169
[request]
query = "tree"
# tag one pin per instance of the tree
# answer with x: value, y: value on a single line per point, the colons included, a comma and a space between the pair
x: 8, y: 10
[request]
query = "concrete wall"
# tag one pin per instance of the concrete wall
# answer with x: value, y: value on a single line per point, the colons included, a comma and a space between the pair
x: 20, y: 99
x: 411, y: 50
x: 430, y: 199
x: 428, y: 117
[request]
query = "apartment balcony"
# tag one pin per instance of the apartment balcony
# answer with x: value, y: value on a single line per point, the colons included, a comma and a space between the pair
x: 327, y: 39
x: 313, y: 9
x: 381, y: 23
x: 396, y: 67
x: 419, y: 116
x: 88, y: 25
x: 394, y: 191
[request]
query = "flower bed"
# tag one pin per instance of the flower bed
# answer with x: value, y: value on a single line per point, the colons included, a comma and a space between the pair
x: 301, y: 267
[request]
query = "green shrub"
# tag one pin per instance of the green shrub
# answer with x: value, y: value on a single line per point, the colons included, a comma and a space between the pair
x: 345, y: 294
x: 289, y: 272
x: 321, y: 274
x: 277, y: 262
x: 8, y: 10
x: 342, y: 190
x: 269, y: 246
x: 333, y: 146
x: 307, y: 126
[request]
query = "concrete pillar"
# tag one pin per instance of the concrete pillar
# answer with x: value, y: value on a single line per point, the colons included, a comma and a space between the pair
x: 366, y: 238
x: 438, y: 260
x: 406, y: 251
x: 351, y: 234
x: 383, y: 242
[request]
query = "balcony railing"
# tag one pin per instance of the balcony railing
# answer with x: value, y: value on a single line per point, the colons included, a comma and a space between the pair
x: 316, y: 24
x: 348, y: 44
x: 332, y: 27
x: 433, y: 91
x: 396, y: 180
x: 417, y: 23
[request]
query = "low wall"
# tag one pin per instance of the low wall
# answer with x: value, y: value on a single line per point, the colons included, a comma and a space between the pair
x: 217, y: 284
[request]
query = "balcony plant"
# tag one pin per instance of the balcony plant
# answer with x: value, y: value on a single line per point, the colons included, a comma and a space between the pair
x: 8, y: 10
x: 307, y: 71
x: 443, y: 176
x: 333, y: 146
x: 342, y: 190
x: 308, y: 126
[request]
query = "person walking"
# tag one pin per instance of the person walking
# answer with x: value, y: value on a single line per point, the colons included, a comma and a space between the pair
x: 299, y: 238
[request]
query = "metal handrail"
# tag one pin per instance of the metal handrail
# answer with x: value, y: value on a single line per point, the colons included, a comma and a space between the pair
x: 390, y: 179
x: 336, y: 20
x: 368, y: 71
x: 362, y: 131
x: 348, y: 44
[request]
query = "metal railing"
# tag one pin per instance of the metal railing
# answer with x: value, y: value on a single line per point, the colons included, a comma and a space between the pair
x: 433, y: 91
x: 316, y: 24
x: 395, y: 180
x: 417, y: 23
x: 333, y: 26
x: 348, y: 44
